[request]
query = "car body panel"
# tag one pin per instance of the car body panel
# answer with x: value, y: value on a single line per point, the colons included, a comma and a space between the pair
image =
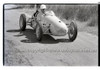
x: 52, y: 22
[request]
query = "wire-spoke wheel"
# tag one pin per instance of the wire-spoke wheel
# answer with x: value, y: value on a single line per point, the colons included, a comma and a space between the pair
x: 72, y: 31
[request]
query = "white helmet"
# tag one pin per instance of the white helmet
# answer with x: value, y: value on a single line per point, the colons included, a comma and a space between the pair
x: 43, y: 7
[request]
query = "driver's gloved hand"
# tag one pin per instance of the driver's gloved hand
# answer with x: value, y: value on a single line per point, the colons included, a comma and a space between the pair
x: 36, y: 13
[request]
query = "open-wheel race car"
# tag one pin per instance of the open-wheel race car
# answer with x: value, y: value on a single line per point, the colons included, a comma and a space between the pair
x: 50, y: 24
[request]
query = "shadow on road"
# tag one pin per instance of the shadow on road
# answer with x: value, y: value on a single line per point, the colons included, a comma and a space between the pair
x: 30, y: 37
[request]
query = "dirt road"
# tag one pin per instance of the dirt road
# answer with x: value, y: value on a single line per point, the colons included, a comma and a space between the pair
x: 22, y: 48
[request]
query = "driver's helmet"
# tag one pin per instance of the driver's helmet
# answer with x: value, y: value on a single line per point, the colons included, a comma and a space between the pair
x: 43, y: 6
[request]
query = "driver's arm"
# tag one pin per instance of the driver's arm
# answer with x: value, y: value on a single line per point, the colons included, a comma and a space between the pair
x: 35, y: 14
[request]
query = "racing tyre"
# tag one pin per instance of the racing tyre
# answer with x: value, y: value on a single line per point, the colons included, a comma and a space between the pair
x: 22, y: 22
x: 72, y: 31
x: 39, y: 32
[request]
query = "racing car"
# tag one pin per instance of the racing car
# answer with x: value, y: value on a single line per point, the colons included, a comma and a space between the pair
x: 49, y: 24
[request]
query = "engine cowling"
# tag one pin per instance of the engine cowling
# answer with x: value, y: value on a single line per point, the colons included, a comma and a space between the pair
x: 57, y: 27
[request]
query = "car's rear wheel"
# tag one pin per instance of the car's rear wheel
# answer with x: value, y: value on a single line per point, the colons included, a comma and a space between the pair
x: 72, y: 31
x: 39, y: 32
x: 22, y: 22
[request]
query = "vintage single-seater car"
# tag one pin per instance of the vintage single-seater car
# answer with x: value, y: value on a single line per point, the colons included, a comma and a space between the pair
x: 50, y: 24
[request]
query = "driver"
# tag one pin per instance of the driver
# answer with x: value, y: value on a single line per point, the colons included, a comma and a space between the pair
x: 44, y: 12
x: 43, y: 8
x: 39, y: 8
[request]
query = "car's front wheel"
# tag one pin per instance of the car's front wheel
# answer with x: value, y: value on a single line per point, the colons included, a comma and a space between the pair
x: 72, y: 31
x: 39, y: 32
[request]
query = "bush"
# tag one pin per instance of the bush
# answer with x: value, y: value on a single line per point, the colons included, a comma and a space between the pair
x: 93, y: 21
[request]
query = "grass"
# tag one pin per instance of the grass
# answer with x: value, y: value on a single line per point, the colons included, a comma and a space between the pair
x: 83, y: 27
